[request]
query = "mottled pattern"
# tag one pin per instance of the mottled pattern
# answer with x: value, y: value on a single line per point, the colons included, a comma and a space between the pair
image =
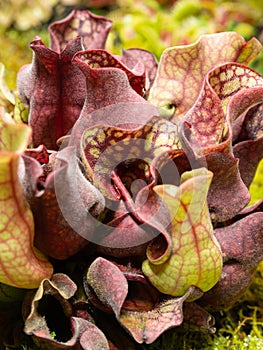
x: 20, y: 265
x: 93, y: 30
x: 122, y: 114
x: 104, y: 148
x: 182, y: 69
x: 230, y: 90
x: 103, y: 59
x: 196, y: 256
x: 210, y: 111
x: 131, y: 57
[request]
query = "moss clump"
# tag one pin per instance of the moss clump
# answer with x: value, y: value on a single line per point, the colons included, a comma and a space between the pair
x: 240, y: 328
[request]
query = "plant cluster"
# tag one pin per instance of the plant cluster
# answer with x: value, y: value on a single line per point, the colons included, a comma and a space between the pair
x: 151, y: 24
x: 124, y: 187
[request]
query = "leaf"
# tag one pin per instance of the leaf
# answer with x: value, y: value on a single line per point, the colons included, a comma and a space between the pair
x: 227, y: 184
x: 40, y: 154
x: 123, y: 236
x: 242, y: 248
x: 62, y: 218
x: 135, y: 149
x: 242, y: 241
x: 93, y: 338
x: 92, y: 28
x: 109, y: 283
x: 196, y: 257
x: 223, y: 98
x: 49, y: 317
x: 21, y: 265
x: 128, y: 115
x: 38, y: 315
x: 20, y: 110
x: 117, y: 336
x: 152, y: 210
x: 102, y: 59
x: 148, y: 326
x: 134, y: 302
x: 105, y: 148
x: 52, y: 115
x: 249, y: 145
x: 250, y: 51
x: 111, y: 84
x: 132, y: 56
x: 198, y: 318
x: 182, y: 69
x: 230, y: 90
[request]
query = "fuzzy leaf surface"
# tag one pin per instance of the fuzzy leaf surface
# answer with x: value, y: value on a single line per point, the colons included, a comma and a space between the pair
x: 182, y: 69
x: 196, y: 257
x: 43, y: 318
x: 104, y: 148
x: 134, y: 302
x: 242, y: 247
x: 102, y: 59
x: 21, y: 265
x: 52, y: 115
x: 62, y: 220
x: 211, y: 126
x: 148, y: 326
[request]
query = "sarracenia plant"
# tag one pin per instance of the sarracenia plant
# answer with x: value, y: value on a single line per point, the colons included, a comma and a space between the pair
x: 124, y: 187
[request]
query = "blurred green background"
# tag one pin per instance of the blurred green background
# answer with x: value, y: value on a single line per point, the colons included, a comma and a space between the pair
x: 151, y: 24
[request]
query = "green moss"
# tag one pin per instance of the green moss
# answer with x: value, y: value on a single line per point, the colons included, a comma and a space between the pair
x: 235, y: 332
